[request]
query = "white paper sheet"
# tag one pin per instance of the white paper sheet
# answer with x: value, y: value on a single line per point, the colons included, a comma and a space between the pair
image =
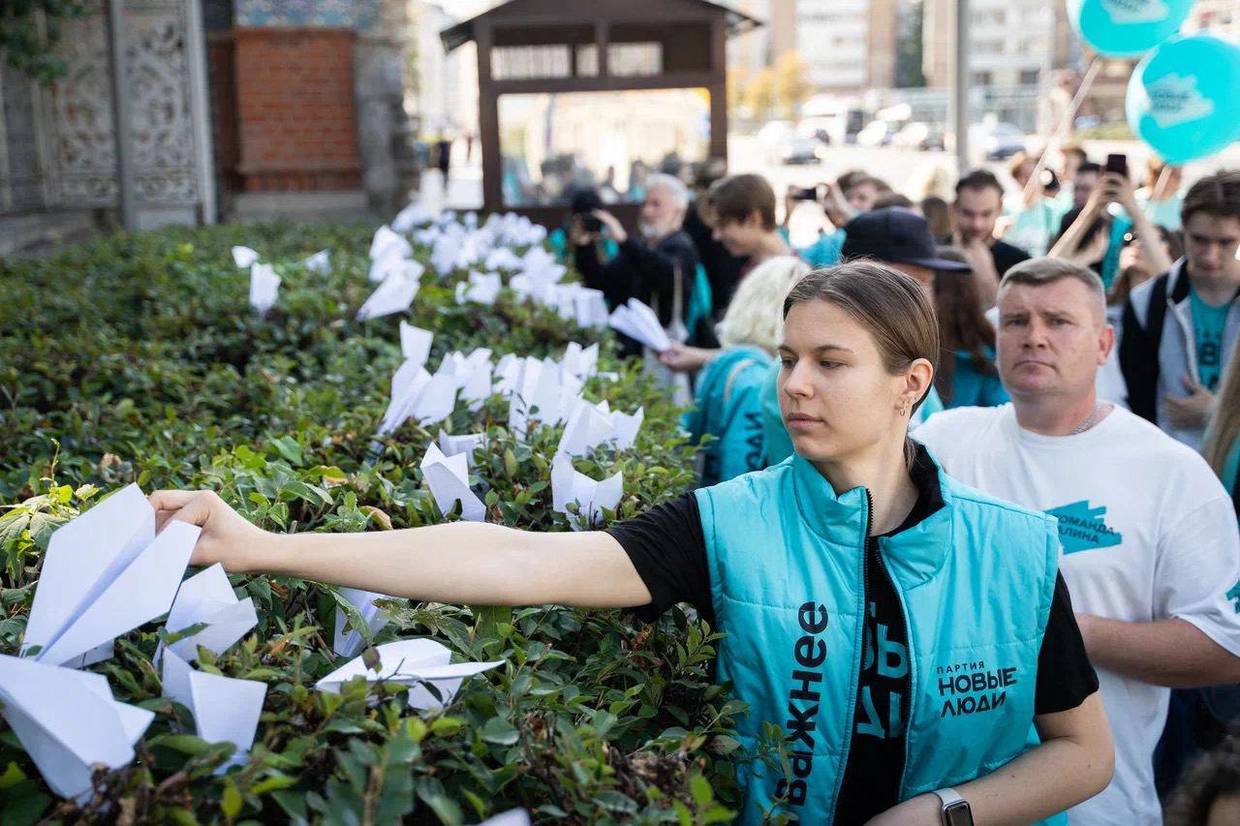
x: 67, y: 721
x: 448, y: 479
x: 392, y: 296
x: 207, y: 597
x: 244, y: 257
x: 413, y: 663
x: 639, y: 322
x: 570, y: 485
x: 104, y: 574
x: 348, y: 641
x: 225, y: 709
x: 264, y: 287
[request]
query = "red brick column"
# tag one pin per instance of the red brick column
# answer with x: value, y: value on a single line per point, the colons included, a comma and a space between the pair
x: 296, y: 121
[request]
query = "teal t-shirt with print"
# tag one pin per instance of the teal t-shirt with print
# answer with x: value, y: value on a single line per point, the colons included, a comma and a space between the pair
x: 1209, y: 322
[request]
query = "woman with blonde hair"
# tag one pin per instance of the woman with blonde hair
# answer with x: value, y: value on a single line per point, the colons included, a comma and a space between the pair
x: 728, y: 398
x: 1222, y: 443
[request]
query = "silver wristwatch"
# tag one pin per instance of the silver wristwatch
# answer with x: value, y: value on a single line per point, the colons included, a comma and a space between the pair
x: 956, y: 811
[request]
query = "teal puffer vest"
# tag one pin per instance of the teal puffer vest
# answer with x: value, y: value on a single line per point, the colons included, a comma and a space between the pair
x: 976, y: 580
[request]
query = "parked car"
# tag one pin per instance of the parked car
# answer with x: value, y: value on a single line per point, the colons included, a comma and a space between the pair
x: 799, y: 149
x: 875, y: 133
x: 1000, y: 141
x: 918, y: 135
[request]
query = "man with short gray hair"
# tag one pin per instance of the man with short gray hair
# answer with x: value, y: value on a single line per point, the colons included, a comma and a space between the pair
x: 1152, y: 554
x: 650, y: 268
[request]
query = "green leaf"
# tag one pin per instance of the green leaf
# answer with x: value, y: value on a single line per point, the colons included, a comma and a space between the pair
x: 500, y: 732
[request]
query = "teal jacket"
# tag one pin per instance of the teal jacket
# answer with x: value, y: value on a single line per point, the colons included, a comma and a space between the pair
x: 779, y: 443
x: 973, y: 388
x: 976, y: 579
x: 728, y: 406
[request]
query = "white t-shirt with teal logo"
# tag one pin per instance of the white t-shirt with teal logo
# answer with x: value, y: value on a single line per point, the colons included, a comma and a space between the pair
x: 1148, y: 534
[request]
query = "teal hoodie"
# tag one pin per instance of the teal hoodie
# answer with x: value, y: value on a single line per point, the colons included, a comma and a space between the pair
x: 728, y: 406
x: 787, y: 565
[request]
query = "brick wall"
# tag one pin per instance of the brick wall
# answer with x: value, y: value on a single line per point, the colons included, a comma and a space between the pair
x: 296, y: 121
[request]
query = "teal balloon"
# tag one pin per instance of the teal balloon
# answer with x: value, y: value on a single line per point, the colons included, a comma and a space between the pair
x: 1127, y: 28
x: 1184, y: 97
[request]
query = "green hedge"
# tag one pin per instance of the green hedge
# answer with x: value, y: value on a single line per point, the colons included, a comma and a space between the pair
x: 137, y: 358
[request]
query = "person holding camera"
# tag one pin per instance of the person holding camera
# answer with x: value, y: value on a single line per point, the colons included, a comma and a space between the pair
x: 655, y: 268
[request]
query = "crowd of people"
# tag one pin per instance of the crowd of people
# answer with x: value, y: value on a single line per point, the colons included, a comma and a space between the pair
x: 1084, y: 369
x: 1029, y: 607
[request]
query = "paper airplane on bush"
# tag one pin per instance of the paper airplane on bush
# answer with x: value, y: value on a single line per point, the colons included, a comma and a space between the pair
x: 415, y: 343
x: 67, y: 722
x: 415, y: 663
x: 467, y: 444
x: 580, y: 361
x: 348, y: 641
x: 413, y: 215
x: 483, y: 288
x: 244, y: 256
x: 639, y: 322
x: 394, y: 295
x: 104, y: 574
x: 502, y: 258
x: 570, y: 485
x: 512, y: 817
x: 264, y: 287
x: 386, y: 242
x: 448, y: 479
x: 591, y: 425
x: 541, y: 392
x: 208, y: 598
x: 590, y: 308
x: 408, y: 383
x: 225, y: 709
x: 320, y: 262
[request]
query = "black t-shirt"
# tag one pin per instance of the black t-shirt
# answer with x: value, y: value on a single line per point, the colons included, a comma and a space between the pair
x: 668, y: 548
x: 1006, y: 256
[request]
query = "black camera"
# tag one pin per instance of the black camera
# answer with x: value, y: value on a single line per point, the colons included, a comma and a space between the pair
x: 582, y: 206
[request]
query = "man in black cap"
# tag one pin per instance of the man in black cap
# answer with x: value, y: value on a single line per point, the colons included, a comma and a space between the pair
x: 899, y: 238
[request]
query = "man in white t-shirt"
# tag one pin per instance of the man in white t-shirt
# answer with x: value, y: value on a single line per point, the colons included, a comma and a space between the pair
x: 1151, y: 551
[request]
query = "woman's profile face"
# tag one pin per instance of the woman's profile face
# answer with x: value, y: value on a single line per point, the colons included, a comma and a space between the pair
x: 835, y: 396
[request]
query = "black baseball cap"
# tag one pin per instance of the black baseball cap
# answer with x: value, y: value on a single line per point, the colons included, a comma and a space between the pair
x: 896, y: 235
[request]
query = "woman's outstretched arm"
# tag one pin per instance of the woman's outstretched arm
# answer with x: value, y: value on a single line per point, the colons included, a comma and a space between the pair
x: 463, y: 562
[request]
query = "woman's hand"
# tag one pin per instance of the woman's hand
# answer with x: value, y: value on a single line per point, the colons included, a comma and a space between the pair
x: 227, y: 537
x: 681, y: 358
x: 613, y: 225
x: 1119, y: 189
x: 923, y: 810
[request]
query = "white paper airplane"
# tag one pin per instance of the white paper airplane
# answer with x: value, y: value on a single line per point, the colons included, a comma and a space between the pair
x: 104, y: 574
x: 467, y: 444
x: 415, y: 663
x: 207, y: 597
x: 570, y: 485
x: 415, y: 343
x: 394, y: 295
x: 264, y: 287
x: 413, y: 215
x: 348, y: 641
x: 320, y: 262
x: 385, y: 242
x: 225, y: 709
x: 639, y: 322
x: 448, y: 479
x: 67, y: 722
x: 244, y: 256
x: 408, y: 383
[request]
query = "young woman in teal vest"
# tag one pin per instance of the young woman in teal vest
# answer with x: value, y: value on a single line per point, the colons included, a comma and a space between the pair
x: 911, y: 636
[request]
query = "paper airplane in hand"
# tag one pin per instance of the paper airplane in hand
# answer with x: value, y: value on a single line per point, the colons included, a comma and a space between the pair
x: 264, y: 287
x: 415, y: 663
x: 639, y: 322
x: 67, y: 721
x: 225, y: 709
x: 104, y: 574
x: 207, y: 598
x: 348, y: 641
x: 570, y: 485
x: 448, y: 479
x: 244, y: 256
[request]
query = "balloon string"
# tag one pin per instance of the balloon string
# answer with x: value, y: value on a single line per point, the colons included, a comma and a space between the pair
x: 1159, y: 186
x: 1061, y: 129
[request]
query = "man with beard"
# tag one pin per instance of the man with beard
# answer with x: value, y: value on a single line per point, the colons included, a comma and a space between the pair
x: 648, y: 268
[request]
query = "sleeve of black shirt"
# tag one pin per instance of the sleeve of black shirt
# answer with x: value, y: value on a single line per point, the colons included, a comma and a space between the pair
x: 586, y: 259
x: 1065, y: 675
x: 667, y: 547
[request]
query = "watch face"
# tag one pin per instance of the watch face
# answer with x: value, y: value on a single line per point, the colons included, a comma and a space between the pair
x: 958, y: 814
